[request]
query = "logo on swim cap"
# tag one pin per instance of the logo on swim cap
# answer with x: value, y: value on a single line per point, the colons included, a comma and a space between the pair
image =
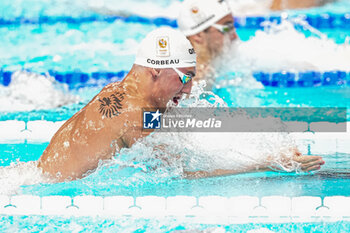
x: 197, y: 15
x: 163, y: 43
x: 194, y: 10
x: 163, y: 46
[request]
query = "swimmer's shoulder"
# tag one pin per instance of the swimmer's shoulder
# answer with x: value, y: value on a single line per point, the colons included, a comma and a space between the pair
x: 114, y: 85
x: 108, y: 104
x: 113, y: 92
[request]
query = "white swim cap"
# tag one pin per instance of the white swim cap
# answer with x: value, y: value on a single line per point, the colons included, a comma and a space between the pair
x: 165, y: 48
x: 197, y: 15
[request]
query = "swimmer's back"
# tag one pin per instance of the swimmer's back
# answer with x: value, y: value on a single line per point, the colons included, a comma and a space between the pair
x: 92, y: 134
x: 295, y: 4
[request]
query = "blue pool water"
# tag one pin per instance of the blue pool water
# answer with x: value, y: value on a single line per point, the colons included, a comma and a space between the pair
x: 89, y: 47
x: 94, y: 46
x: 88, y: 224
x: 110, y: 47
x: 114, y: 179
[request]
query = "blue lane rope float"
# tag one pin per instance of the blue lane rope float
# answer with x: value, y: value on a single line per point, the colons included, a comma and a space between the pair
x: 303, y: 79
x: 160, y: 21
x: 278, y: 79
x: 322, y: 21
x: 5, y: 77
x: 73, y: 79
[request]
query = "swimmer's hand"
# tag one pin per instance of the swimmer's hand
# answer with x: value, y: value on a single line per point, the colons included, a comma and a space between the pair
x: 306, y: 163
x: 309, y: 163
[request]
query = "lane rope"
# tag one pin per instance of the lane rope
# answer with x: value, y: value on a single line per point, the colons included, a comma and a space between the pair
x: 322, y: 21
x: 78, y: 79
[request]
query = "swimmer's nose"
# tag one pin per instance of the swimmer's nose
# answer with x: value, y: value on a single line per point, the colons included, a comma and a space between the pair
x: 233, y: 35
x: 187, y: 88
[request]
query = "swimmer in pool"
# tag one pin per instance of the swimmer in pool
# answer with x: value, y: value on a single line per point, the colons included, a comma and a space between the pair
x: 162, y: 72
x: 209, y: 26
x: 295, y: 4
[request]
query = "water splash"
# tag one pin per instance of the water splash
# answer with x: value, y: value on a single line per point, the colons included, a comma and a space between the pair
x: 149, y: 8
x: 169, y: 155
x: 279, y: 47
x: 261, y: 230
x: 30, y: 91
x: 162, y: 158
x: 282, y: 47
x: 18, y: 174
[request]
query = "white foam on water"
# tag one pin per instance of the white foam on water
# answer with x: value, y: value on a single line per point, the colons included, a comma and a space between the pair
x: 172, y: 154
x: 210, y: 230
x: 143, y: 8
x: 171, y: 9
x: 161, y: 157
x: 235, y: 150
x: 231, y: 69
x: 239, y: 152
x: 17, y: 174
x: 129, y: 47
x: 261, y: 230
x: 283, y: 48
x: 30, y: 91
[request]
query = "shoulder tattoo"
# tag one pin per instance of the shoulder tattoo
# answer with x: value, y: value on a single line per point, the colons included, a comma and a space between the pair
x: 111, y: 106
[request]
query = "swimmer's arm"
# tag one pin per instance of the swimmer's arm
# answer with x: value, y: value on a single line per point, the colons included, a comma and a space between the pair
x: 307, y: 163
x: 227, y: 172
x: 222, y: 172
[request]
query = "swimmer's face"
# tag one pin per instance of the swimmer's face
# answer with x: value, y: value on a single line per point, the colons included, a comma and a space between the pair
x: 215, y: 39
x: 169, y: 86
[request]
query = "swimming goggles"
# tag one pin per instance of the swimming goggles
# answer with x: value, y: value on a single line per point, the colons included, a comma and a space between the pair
x: 225, y: 28
x: 184, y: 78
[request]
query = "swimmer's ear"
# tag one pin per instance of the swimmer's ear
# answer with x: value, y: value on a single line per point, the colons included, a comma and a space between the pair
x: 155, y: 72
x: 197, y: 38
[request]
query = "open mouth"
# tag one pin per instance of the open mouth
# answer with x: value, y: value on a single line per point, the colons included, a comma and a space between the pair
x: 176, y: 100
